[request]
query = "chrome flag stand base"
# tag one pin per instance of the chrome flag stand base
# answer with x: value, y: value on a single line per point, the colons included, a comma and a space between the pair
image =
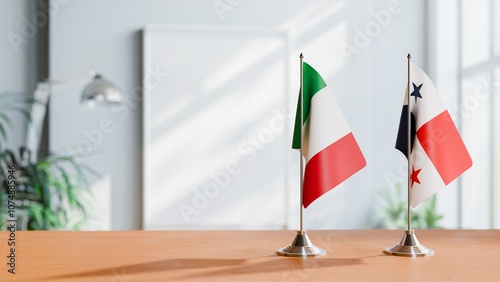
x: 301, y: 247
x: 409, y: 247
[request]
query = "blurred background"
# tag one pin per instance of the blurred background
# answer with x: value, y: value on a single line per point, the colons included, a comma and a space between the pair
x: 201, y: 138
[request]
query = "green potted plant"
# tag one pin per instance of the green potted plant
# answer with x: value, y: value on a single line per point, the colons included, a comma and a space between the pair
x: 392, y: 212
x: 50, y: 193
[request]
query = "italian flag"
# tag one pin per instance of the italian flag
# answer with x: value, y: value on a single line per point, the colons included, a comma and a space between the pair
x: 331, y: 153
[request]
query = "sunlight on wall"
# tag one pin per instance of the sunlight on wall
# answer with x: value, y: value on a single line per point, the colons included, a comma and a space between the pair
x: 229, y: 68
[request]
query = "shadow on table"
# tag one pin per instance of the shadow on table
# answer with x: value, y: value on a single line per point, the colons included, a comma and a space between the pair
x: 289, y: 267
x: 154, y: 266
x: 235, y: 266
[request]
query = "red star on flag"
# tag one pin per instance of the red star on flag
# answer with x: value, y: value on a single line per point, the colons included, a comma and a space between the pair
x: 414, y: 176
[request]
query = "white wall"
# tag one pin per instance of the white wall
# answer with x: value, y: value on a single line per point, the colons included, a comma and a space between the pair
x: 443, y: 68
x: 369, y: 86
x: 18, y: 63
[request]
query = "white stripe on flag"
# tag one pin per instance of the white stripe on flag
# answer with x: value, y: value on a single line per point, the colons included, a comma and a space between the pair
x: 326, y: 123
x: 431, y: 104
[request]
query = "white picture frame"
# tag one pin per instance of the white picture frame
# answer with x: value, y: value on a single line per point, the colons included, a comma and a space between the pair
x: 216, y: 128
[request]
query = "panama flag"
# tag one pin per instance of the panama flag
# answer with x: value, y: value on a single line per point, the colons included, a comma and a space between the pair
x: 331, y: 153
x: 438, y: 154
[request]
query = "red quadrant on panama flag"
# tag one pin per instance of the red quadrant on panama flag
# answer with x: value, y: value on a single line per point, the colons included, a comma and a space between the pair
x: 443, y: 145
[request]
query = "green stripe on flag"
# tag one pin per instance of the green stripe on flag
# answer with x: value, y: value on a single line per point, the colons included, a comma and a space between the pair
x: 312, y: 84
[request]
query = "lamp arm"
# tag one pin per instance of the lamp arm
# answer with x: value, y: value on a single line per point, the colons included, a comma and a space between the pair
x: 38, y: 110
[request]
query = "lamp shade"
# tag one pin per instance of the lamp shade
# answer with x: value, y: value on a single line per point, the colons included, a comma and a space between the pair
x: 102, y: 91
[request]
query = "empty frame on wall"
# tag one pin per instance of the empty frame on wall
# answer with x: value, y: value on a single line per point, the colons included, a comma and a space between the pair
x: 216, y: 130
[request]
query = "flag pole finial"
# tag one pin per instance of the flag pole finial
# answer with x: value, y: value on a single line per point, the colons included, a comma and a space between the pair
x: 408, y: 56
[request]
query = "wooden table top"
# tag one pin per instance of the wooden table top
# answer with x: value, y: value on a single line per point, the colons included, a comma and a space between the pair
x: 353, y: 255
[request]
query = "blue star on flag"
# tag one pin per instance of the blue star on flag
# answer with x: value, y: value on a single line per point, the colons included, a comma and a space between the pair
x: 416, y: 91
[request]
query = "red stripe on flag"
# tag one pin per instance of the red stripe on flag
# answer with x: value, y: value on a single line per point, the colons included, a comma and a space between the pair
x: 443, y: 145
x: 330, y: 167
